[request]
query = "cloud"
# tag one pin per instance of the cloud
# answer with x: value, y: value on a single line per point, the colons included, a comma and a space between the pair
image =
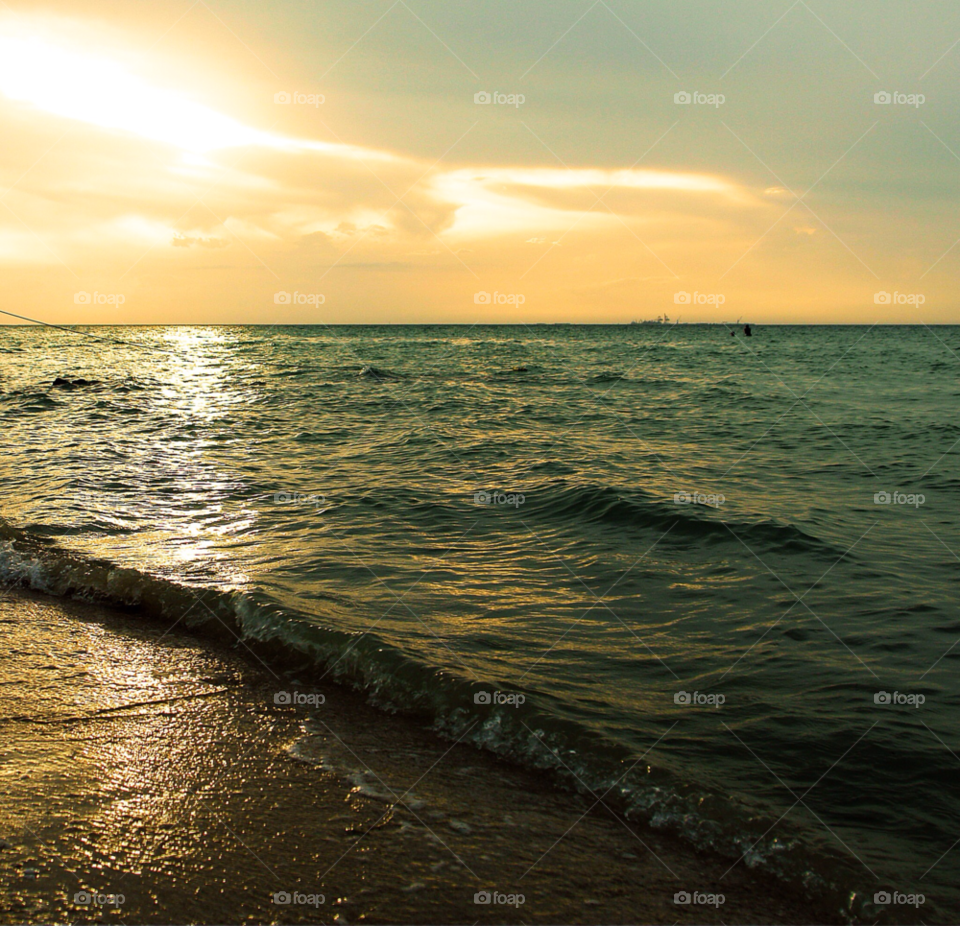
x: 126, y: 191
x: 117, y: 171
x: 180, y: 241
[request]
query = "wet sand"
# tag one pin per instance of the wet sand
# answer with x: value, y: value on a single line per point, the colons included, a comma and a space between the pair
x: 157, y: 767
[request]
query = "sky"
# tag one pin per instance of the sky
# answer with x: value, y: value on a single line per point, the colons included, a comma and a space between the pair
x: 414, y: 161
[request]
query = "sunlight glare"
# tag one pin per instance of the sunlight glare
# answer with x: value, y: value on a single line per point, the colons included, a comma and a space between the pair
x: 91, y: 89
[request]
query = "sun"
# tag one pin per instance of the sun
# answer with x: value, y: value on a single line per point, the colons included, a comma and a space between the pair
x: 78, y: 85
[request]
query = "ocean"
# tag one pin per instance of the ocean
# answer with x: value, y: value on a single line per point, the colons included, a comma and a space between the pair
x: 712, y: 579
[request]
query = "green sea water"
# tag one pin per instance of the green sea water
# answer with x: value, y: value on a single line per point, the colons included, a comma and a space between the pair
x: 717, y: 576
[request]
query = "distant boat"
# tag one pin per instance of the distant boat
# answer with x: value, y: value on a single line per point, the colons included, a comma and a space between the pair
x: 659, y: 320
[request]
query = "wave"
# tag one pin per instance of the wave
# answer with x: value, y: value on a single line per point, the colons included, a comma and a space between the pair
x: 379, y: 375
x: 563, y: 504
x: 514, y: 372
x: 599, y: 504
x: 71, y: 384
x: 29, y: 402
x: 467, y: 710
x: 609, y: 377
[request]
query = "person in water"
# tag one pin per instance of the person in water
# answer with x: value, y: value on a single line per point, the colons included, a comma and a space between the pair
x: 747, y: 332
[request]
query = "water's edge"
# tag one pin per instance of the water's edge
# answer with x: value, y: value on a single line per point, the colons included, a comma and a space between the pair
x: 529, y: 735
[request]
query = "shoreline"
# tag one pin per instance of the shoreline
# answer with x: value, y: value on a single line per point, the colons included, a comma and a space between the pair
x: 157, y: 766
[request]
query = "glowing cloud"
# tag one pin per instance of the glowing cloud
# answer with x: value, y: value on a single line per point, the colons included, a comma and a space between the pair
x: 90, y: 89
x: 75, y: 84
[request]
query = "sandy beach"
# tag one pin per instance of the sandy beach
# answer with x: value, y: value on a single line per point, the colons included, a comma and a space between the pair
x: 150, y: 777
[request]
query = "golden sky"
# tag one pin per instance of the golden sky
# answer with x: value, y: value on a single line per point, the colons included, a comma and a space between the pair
x: 414, y: 161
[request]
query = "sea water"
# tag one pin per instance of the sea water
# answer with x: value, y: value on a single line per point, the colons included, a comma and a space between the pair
x: 711, y: 579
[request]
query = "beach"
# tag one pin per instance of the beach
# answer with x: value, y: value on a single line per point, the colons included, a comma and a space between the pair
x: 156, y: 767
x: 614, y: 557
x: 479, y: 463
